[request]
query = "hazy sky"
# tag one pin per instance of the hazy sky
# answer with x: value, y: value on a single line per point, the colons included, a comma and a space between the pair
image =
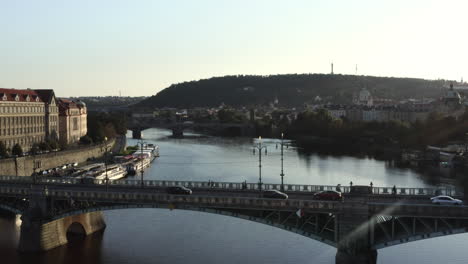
x: 101, y: 47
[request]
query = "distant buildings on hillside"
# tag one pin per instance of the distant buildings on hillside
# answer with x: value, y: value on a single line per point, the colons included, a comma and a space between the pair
x: 367, y: 108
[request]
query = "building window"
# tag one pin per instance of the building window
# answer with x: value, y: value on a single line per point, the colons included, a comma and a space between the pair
x: 75, y: 123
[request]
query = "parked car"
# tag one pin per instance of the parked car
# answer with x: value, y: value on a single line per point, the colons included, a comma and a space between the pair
x: 275, y: 194
x: 446, y: 200
x: 328, y: 195
x: 178, y: 190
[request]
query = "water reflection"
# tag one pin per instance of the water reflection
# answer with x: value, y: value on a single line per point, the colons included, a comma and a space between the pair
x: 199, y: 157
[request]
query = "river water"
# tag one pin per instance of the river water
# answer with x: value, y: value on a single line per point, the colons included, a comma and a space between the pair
x: 164, y: 236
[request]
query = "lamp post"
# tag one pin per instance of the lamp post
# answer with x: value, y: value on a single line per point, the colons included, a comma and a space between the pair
x: 141, y: 143
x: 466, y: 143
x: 105, y: 163
x: 282, y: 171
x: 260, y: 148
x: 34, y: 166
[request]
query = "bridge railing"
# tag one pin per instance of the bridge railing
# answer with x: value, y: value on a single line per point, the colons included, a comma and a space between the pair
x: 233, y: 186
x: 215, y: 201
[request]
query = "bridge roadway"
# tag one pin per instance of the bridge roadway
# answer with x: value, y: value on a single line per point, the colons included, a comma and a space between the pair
x: 358, y: 226
x: 248, y: 193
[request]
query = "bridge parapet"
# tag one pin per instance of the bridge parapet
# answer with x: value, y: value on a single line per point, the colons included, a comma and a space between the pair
x: 400, y: 191
x: 418, y: 210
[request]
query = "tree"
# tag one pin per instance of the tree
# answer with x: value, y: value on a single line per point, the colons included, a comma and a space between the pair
x: 17, y: 150
x: 44, y: 146
x: 3, y: 150
x: 86, y: 140
x: 35, y: 148
x: 53, y: 144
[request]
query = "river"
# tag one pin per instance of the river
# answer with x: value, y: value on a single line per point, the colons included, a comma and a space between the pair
x: 163, y: 236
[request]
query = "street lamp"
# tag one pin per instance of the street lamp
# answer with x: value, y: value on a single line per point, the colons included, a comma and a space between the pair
x: 282, y: 172
x: 105, y: 163
x: 466, y: 143
x: 141, y: 143
x: 259, y: 147
x: 35, y: 167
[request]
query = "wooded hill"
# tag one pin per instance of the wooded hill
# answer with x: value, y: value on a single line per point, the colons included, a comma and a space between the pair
x: 291, y: 90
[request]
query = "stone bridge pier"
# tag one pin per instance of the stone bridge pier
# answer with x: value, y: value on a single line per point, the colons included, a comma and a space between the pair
x: 355, y: 235
x: 40, y: 232
x: 136, y: 133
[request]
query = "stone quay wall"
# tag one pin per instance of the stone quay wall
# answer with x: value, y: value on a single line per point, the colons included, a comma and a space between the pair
x: 23, y: 166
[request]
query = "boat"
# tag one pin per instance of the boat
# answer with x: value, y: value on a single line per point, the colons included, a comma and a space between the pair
x: 88, y: 170
x: 113, y: 172
x: 138, y: 165
x: 150, y: 151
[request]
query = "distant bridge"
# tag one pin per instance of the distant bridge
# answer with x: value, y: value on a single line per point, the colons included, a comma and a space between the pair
x: 137, y: 125
x: 357, y: 227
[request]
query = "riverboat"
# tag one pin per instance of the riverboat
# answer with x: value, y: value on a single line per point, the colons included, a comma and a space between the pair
x: 113, y: 172
x: 138, y: 165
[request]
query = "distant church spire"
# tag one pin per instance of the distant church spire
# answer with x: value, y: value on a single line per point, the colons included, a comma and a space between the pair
x: 332, y: 68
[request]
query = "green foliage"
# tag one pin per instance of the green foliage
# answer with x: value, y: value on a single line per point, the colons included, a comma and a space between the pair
x: 17, y: 150
x: 3, y: 150
x: 291, y: 90
x: 132, y: 148
x: 35, y: 148
x: 86, y: 140
x: 101, y: 125
x: 53, y: 144
x: 230, y: 116
x: 436, y: 130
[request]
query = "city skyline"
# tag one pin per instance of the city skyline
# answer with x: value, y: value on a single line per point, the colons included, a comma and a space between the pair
x: 110, y: 47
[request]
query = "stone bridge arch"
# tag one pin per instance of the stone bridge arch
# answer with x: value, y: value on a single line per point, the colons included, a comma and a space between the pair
x: 39, y: 235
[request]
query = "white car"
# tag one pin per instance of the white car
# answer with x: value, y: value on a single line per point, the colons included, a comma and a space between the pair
x: 446, y: 200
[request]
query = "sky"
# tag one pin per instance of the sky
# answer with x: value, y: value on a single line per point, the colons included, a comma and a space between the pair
x: 139, y: 47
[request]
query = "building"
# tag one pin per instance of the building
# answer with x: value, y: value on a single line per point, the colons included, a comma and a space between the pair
x: 364, y: 97
x: 72, y: 120
x: 337, y: 111
x: 27, y: 117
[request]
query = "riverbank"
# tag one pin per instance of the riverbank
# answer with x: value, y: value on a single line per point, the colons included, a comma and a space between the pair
x: 24, y: 166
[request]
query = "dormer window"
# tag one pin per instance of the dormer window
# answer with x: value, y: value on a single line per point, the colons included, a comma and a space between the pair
x: 37, y: 98
x: 27, y: 98
x: 4, y: 97
x: 16, y: 97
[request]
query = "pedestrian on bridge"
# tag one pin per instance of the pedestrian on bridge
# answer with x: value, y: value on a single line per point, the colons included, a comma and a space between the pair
x: 394, y: 190
x: 338, y: 187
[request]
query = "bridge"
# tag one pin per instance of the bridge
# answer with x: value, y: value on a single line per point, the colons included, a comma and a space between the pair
x: 137, y: 125
x: 357, y: 226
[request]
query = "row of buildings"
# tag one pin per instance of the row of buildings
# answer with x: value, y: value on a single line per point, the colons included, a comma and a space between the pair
x: 32, y: 116
x: 366, y: 108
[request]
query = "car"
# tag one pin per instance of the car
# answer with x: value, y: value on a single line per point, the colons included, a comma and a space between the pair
x: 178, y: 190
x: 446, y: 200
x: 328, y: 195
x: 275, y: 194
